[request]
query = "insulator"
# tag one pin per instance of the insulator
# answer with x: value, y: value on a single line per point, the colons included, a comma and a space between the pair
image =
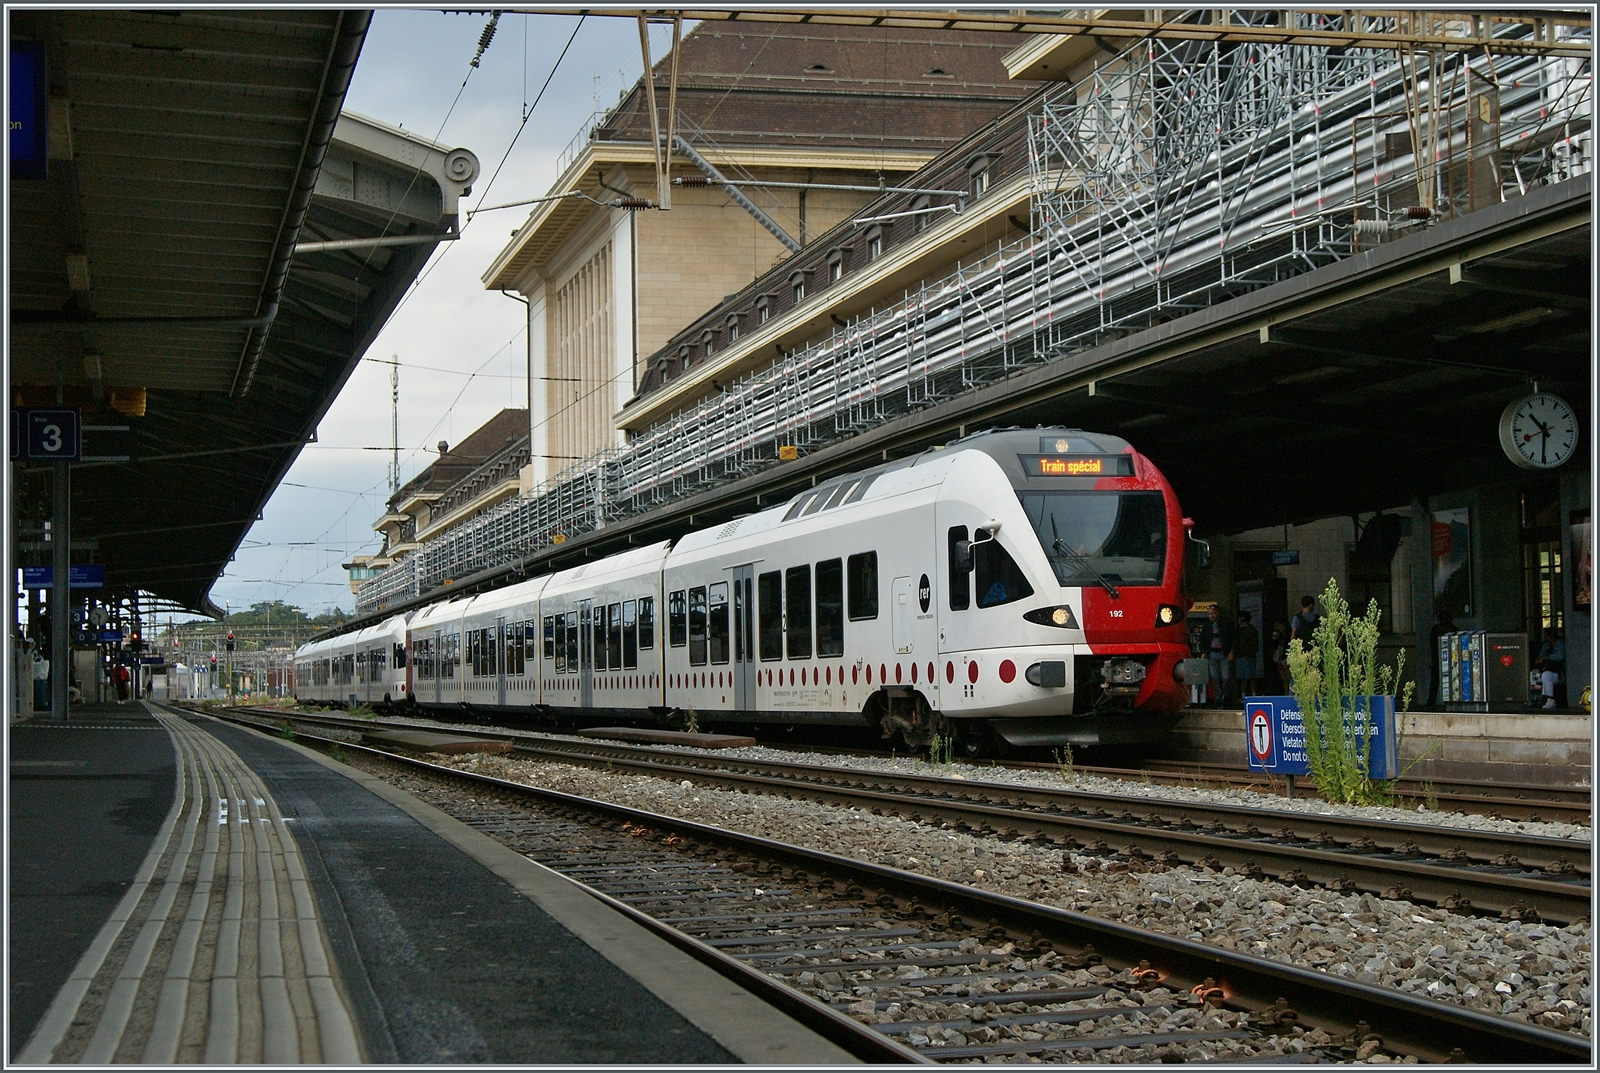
x: 484, y: 38
x: 633, y: 203
x: 1372, y: 227
x: 692, y: 181
x: 1419, y: 212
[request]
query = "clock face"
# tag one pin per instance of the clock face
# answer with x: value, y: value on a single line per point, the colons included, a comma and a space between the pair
x: 1539, y: 432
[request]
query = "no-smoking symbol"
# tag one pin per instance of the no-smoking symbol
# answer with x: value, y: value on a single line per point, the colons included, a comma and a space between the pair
x: 1260, y: 734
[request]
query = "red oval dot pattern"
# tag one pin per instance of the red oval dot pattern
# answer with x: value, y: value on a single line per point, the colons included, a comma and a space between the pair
x: 972, y: 673
x: 1008, y: 671
x: 949, y: 672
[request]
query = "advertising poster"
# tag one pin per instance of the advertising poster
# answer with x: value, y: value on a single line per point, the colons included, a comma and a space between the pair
x: 1452, y: 561
x: 1582, y: 560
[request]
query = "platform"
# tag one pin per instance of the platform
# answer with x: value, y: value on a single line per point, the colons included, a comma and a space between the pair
x: 189, y: 891
x: 1549, y: 748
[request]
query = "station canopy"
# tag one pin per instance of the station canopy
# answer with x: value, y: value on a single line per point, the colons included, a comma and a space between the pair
x: 155, y: 281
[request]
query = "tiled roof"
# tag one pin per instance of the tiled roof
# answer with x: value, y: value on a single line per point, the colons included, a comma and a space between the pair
x: 797, y: 85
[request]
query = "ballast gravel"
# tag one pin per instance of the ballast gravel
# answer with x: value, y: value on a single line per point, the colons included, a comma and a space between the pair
x: 1539, y: 973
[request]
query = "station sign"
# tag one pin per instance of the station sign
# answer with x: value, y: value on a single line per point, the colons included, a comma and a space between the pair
x: 109, y: 637
x: 1291, y: 557
x: 1275, y: 736
x: 28, y: 110
x: 79, y: 576
x: 45, y: 435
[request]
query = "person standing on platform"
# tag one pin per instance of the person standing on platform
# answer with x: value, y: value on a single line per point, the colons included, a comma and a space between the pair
x: 1246, y: 643
x: 1304, y: 626
x: 41, y: 682
x: 1552, y: 664
x: 122, y: 676
x: 1219, y: 653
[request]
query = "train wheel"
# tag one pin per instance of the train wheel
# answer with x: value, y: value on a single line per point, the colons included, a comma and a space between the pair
x: 977, y: 740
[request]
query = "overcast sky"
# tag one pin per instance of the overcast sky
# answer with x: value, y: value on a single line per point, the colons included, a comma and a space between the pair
x: 462, y: 349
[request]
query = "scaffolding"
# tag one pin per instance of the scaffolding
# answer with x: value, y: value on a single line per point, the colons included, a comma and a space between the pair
x: 1176, y: 176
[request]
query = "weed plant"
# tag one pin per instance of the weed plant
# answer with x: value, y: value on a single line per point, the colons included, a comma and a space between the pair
x: 1331, y: 681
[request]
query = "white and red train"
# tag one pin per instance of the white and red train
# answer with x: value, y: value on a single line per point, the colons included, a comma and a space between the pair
x: 1025, y: 584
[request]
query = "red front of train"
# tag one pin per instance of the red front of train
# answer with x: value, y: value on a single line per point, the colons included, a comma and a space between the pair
x: 1143, y: 625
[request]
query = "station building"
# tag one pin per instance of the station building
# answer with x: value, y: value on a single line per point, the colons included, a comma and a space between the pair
x: 834, y: 110
x: 1326, y: 394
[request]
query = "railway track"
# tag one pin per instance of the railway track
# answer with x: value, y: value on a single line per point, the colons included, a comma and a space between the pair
x: 1463, y: 870
x: 946, y: 972
x: 1455, y: 868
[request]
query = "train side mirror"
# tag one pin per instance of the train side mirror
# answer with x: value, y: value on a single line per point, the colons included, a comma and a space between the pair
x: 1202, y: 555
x: 964, y: 556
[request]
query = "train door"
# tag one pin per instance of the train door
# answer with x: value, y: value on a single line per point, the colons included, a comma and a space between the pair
x: 586, y: 653
x: 500, y: 663
x: 902, y: 613
x: 437, y: 664
x: 744, y: 639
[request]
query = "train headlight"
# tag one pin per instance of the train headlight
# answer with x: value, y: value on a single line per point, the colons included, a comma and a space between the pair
x: 1167, y: 615
x: 1061, y: 617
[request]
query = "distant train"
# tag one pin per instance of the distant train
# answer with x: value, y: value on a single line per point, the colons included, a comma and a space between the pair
x: 1019, y: 585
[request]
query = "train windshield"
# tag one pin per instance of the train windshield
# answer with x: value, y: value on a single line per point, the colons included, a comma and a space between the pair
x: 1097, y: 537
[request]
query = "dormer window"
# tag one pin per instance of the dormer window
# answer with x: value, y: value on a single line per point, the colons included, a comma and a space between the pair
x: 919, y: 205
x: 683, y: 356
x: 708, y: 342
x: 763, y: 309
x: 797, y: 286
x: 836, y: 258
x: 874, y: 242
x: 732, y: 324
x: 978, y: 171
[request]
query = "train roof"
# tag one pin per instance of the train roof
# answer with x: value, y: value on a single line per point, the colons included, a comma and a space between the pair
x: 1005, y: 446
x: 625, y: 564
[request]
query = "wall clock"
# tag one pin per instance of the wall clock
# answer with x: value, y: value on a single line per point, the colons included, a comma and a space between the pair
x: 1539, y: 431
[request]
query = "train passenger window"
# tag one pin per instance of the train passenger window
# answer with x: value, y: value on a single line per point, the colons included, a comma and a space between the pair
x: 960, y: 568
x: 797, y: 604
x: 769, y: 589
x: 718, y: 622
x: 677, y: 620
x: 550, y: 639
x: 516, y: 649
x: 598, y: 639
x: 647, y: 622
x: 452, y: 654
x: 863, y: 576
x: 630, y: 635
x: 572, y: 643
x: 830, y: 608
x: 399, y: 657
x: 697, y: 627
x: 1000, y: 579
x: 614, y: 637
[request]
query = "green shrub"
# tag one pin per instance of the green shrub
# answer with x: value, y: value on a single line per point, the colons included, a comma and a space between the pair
x: 1332, y: 676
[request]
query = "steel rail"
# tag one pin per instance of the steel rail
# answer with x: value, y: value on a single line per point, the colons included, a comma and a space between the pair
x: 1391, y: 835
x: 1447, y: 886
x: 1455, y: 878
x: 1431, y: 1030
